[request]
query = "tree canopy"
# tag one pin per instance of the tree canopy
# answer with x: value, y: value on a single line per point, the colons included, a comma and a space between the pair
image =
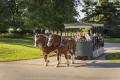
x: 103, y: 11
x: 28, y: 14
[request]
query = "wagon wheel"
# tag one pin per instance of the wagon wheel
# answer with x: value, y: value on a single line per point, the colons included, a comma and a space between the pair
x: 85, y: 58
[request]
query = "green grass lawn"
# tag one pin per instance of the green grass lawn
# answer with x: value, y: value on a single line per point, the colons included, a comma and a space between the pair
x: 113, y: 40
x: 18, y: 49
x: 114, y: 57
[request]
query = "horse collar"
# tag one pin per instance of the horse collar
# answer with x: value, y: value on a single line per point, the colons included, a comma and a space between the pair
x: 61, y: 42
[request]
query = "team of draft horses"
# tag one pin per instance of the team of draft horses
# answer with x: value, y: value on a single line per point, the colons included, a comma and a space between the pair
x: 60, y: 45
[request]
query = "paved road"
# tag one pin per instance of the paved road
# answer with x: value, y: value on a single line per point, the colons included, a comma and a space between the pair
x: 112, y: 47
x: 82, y: 70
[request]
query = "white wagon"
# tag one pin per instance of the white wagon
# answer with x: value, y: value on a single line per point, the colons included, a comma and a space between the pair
x: 91, y: 44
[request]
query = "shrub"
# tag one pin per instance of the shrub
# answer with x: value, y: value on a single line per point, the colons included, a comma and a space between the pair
x: 114, y: 33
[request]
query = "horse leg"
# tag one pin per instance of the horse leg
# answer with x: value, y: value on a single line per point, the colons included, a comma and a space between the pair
x: 46, y: 61
x: 73, y: 58
x: 73, y: 55
x: 67, y: 58
x: 59, y: 59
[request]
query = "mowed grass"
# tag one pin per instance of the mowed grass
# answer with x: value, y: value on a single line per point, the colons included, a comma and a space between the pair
x: 113, y: 57
x: 18, y: 49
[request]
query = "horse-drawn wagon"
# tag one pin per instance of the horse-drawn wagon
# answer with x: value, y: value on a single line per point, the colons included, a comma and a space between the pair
x: 89, y: 44
x: 86, y: 42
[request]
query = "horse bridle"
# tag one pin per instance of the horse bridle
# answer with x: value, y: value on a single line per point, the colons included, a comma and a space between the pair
x: 45, y: 40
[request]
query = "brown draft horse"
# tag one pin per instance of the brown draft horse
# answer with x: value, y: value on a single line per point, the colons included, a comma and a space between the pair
x: 64, y: 46
x: 41, y: 41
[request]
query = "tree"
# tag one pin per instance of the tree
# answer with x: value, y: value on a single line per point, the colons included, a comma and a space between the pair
x: 98, y: 10
x: 3, y: 15
x: 103, y: 11
x: 63, y: 12
x: 52, y: 13
x: 88, y: 9
x: 111, y: 16
x: 28, y: 14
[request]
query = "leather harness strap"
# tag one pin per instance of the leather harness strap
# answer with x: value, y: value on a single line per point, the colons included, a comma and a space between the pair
x: 45, y: 41
x: 61, y: 43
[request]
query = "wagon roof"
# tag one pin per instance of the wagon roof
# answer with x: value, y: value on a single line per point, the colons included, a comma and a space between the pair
x: 83, y: 25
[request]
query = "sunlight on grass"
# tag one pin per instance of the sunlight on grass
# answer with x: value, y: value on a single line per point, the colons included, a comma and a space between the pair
x: 17, y: 49
x: 16, y: 52
x: 113, y: 57
x: 116, y: 61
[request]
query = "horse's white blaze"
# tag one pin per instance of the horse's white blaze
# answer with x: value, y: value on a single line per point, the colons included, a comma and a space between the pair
x: 49, y: 40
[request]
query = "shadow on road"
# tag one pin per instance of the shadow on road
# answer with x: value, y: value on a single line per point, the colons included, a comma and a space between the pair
x: 94, y: 64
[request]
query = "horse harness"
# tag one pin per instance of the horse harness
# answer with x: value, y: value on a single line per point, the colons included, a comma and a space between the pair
x: 46, y: 36
x: 61, y: 42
